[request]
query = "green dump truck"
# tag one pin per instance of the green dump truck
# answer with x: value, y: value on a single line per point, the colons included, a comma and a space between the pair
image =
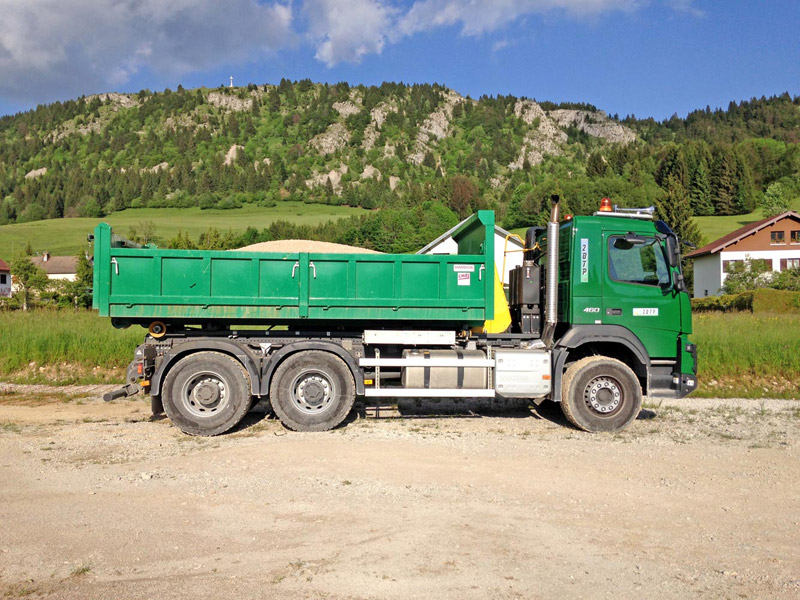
x: 597, y: 315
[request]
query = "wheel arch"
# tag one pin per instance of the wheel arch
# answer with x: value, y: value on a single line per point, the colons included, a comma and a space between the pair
x: 171, y: 358
x: 613, y: 341
x: 268, y: 369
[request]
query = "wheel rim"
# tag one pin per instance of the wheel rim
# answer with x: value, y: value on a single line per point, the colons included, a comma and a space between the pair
x: 604, y: 395
x: 205, y: 394
x: 313, y: 392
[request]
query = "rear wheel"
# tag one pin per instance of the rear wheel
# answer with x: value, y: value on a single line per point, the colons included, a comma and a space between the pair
x: 206, y: 393
x: 600, y: 394
x: 312, y: 391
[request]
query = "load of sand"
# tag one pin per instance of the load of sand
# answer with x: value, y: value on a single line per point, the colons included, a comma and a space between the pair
x: 289, y: 246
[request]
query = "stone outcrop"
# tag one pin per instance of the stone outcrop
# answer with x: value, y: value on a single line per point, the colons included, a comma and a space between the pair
x: 229, y: 102
x: 35, y: 173
x: 377, y: 119
x: 346, y: 108
x: 335, y: 176
x: 117, y: 100
x: 541, y: 140
x: 596, y: 124
x: 436, y: 126
x: 162, y: 166
x: 371, y: 172
x: 331, y: 140
x: 233, y: 152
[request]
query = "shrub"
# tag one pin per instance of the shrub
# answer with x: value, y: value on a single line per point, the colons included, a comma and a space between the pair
x: 726, y: 303
x: 775, y: 301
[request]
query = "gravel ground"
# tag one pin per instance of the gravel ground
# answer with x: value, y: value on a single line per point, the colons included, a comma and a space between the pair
x: 699, y: 498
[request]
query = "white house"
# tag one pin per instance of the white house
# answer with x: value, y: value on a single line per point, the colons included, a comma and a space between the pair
x: 775, y: 240
x: 57, y: 267
x: 5, y: 280
x: 445, y: 244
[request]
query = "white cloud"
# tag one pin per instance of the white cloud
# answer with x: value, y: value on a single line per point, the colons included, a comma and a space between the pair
x: 53, y: 48
x: 347, y: 30
x: 686, y: 6
x: 60, y: 48
x: 477, y: 17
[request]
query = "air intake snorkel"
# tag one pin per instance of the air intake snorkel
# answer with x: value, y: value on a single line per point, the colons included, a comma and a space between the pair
x: 551, y: 282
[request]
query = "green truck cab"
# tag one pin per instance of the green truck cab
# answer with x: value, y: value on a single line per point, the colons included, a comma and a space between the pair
x: 622, y: 295
x: 596, y: 316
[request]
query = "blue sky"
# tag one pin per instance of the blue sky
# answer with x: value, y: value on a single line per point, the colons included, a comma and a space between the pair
x: 643, y: 57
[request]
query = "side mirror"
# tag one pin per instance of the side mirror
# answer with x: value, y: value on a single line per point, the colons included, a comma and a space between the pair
x: 678, y: 282
x: 673, y: 251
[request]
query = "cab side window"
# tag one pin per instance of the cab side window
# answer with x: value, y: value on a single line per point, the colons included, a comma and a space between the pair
x: 637, y: 260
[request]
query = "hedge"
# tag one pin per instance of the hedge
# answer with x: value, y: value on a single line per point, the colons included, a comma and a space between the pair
x: 756, y: 301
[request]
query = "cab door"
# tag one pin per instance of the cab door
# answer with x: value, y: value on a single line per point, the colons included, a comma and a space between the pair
x: 637, y: 291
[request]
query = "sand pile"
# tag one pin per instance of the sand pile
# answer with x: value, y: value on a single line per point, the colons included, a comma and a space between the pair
x: 304, y: 246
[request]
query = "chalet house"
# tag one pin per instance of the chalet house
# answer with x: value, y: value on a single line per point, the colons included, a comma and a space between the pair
x: 445, y: 244
x: 57, y: 267
x: 5, y: 280
x: 775, y: 241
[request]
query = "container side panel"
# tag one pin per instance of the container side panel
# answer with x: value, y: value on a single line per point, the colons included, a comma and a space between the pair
x: 375, y: 280
x: 184, y: 276
x: 464, y: 281
x: 232, y: 277
x: 328, y: 278
x: 276, y: 279
x: 133, y: 276
x: 421, y: 280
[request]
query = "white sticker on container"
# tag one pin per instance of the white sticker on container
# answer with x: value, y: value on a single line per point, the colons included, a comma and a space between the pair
x: 645, y: 312
x: 464, y: 268
x: 464, y: 278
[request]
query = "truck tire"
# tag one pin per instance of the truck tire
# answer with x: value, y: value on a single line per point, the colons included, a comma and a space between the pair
x: 312, y: 391
x: 206, y: 393
x: 600, y: 394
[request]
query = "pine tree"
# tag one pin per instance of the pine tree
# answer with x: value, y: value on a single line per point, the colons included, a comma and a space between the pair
x: 673, y: 165
x: 674, y: 209
x: 596, y: 166
x: 699, y: 192
x: 723, y: 183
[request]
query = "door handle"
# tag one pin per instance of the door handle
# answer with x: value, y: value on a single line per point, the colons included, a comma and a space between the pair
x: 311, y: 264
x: 116, y: 265
x: 294, y: 268
x: 614, y: 312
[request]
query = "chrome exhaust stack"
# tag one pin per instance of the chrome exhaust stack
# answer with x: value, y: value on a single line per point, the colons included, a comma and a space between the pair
x: 551, y: 281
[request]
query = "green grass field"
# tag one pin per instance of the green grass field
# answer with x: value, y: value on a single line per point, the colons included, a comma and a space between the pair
x: 67, y: 236
x: 713, y: 228
x: 79, y: 347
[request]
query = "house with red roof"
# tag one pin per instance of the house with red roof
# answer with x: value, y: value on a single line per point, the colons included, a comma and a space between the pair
x: 5, y: 280
x: 775, y: 241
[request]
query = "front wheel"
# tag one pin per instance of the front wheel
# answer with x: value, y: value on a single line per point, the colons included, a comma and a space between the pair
x: 600, y: 394
x: 312, y: 391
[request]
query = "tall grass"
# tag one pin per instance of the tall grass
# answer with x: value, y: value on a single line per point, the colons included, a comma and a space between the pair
x: 740, y: 354
x: 763, y: 344
x: 50, y: 338
x: 745, y: 354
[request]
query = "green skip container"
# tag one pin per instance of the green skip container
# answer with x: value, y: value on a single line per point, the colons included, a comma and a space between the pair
x: 143, y: 285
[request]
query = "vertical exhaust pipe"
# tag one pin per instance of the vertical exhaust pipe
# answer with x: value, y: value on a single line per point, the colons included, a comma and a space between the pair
x: 551, y: 281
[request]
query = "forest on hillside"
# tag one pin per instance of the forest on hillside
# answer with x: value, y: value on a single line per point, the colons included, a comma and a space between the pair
x: 422, y: 154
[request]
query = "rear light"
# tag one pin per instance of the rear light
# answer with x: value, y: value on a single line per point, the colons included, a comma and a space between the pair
x: 139, y: 369
x: 605, y: 205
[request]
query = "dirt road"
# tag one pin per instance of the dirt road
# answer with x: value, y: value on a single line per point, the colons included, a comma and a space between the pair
x: 697, y: 499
